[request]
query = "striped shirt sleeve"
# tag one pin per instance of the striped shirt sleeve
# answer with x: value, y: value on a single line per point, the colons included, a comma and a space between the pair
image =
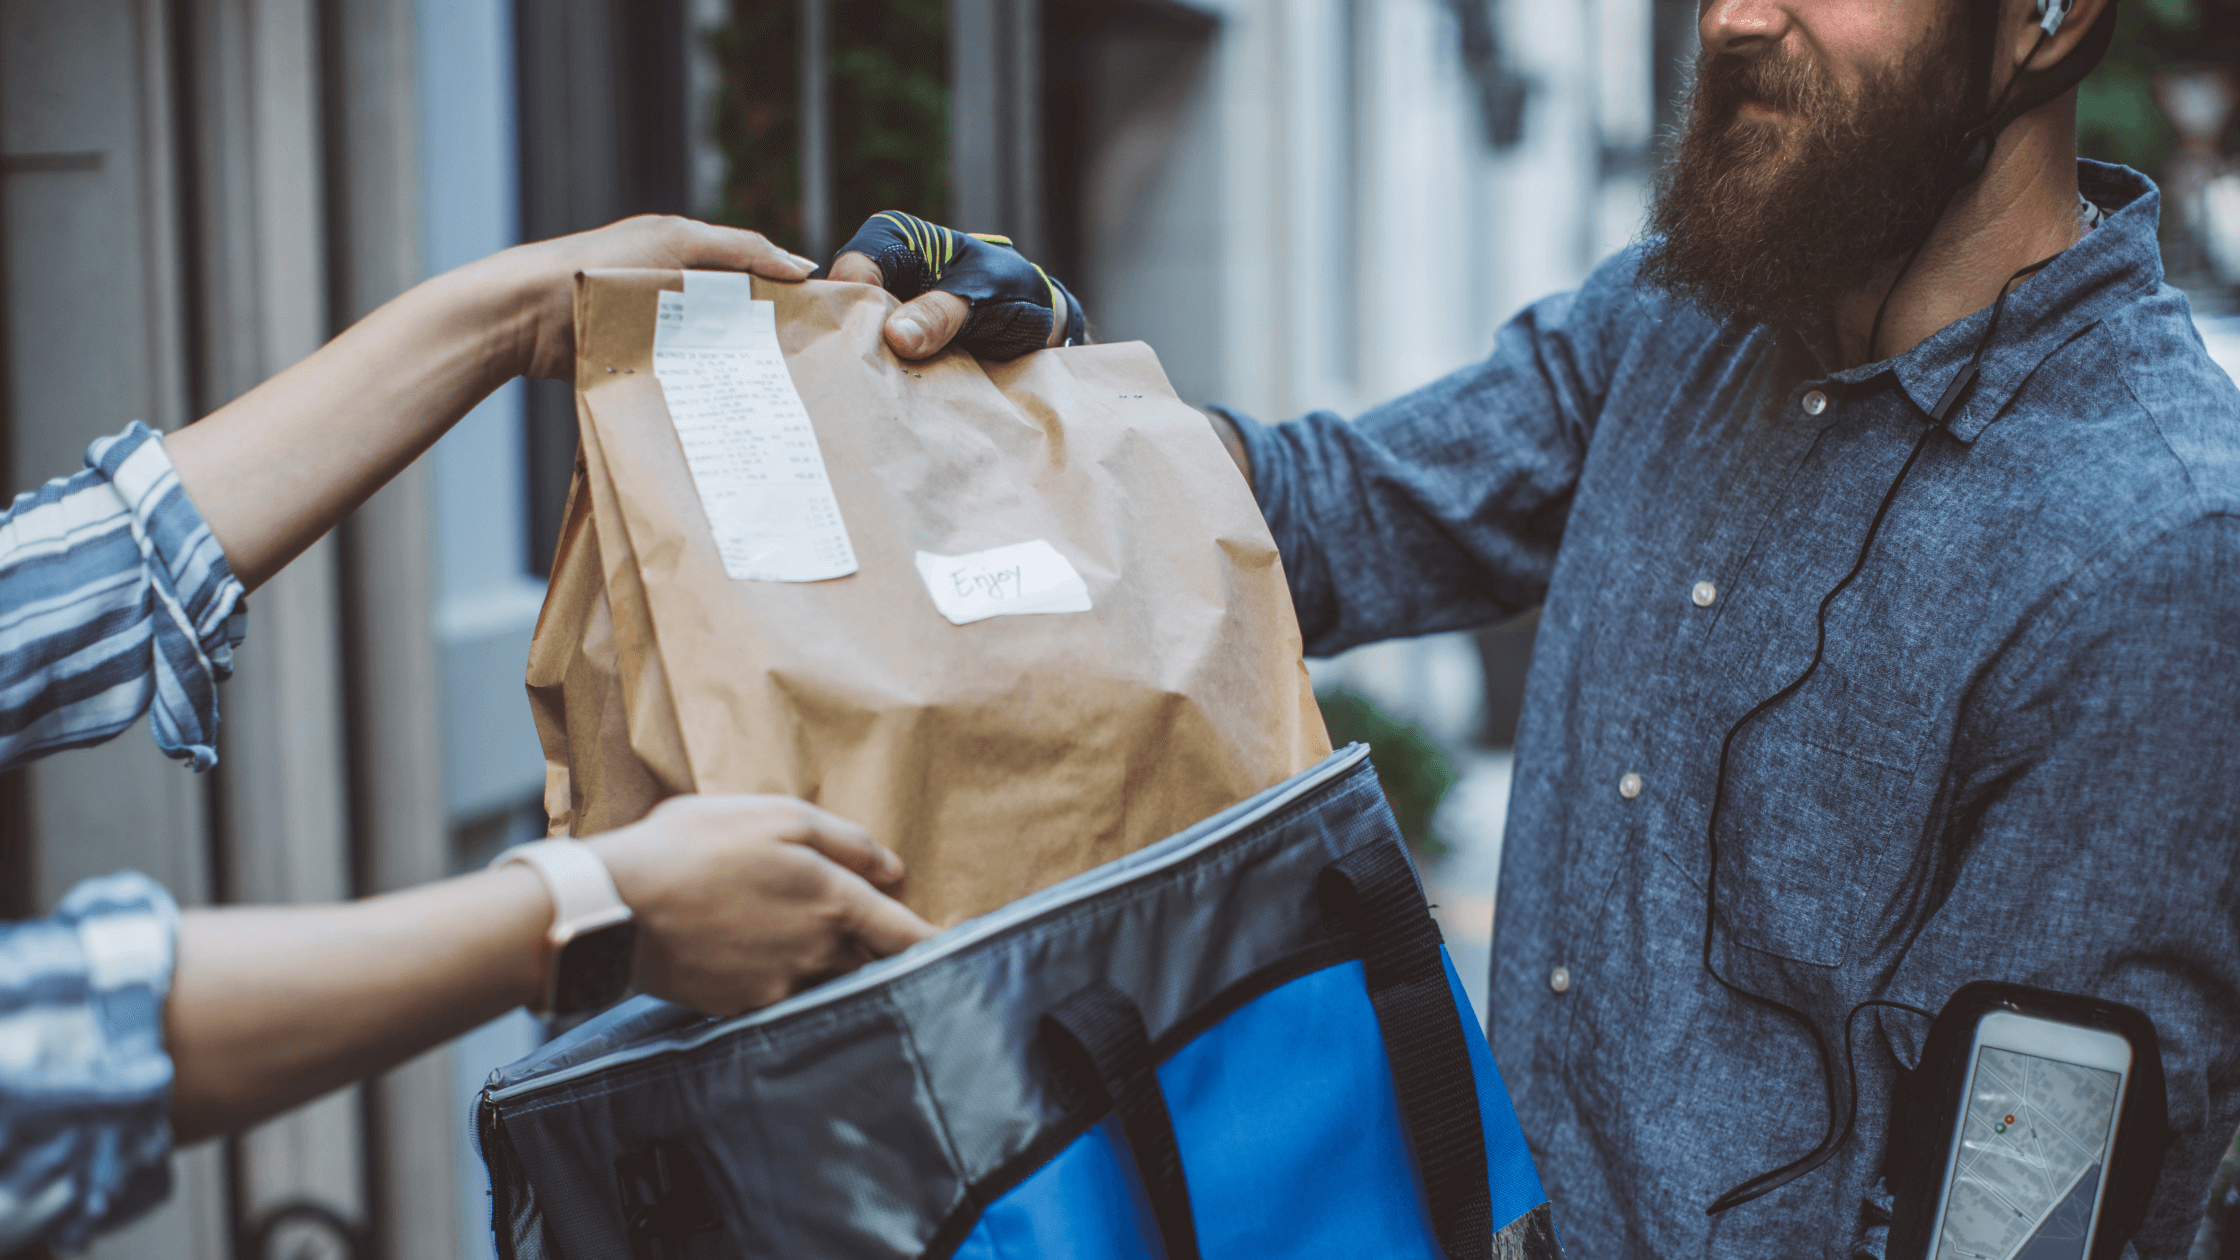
x: 115, y: 600
x: 85, y: 1085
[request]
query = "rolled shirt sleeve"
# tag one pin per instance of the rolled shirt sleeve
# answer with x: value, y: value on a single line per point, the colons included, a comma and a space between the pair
x: 115, y: 600
x: 85, y: 1084
x: 1470, y: 478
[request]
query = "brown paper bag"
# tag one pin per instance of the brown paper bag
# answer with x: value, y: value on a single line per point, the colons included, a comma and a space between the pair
x: 996, y: 757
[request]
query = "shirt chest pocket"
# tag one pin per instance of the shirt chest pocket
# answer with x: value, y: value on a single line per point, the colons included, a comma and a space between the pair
x: 1821, y: 822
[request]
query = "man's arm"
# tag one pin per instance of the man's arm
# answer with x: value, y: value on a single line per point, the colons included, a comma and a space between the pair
x: 1442, y: 509
x: 740, y: 901
x: 1232, y: 441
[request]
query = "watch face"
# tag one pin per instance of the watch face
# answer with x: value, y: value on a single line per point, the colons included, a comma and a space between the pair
x: 593, y: 969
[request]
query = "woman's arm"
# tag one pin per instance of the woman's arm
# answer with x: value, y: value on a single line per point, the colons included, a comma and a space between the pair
x: 275, y: 469
x: 740, y: 901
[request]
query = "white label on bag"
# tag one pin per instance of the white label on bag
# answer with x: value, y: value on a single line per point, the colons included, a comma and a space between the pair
x: 746, y: 437
x: 1028, y: 577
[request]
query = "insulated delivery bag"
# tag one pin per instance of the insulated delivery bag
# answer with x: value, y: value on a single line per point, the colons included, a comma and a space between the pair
x: 1245, y: 1040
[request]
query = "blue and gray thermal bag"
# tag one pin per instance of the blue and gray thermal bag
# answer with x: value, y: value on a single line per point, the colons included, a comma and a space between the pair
x: 1243, y: 1041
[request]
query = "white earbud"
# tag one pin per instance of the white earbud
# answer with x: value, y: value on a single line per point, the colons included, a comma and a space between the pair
x: 2052, y: 13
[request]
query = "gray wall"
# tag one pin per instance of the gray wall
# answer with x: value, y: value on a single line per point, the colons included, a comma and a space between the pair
x: 91, y: 337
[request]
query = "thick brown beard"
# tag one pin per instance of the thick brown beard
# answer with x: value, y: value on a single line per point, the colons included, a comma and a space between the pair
x: 1768, y: 223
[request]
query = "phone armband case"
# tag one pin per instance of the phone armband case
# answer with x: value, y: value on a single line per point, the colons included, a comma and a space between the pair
x: 1927, y: 1102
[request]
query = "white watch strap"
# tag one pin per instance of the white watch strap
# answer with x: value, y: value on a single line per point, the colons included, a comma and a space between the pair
x: 582, y: 890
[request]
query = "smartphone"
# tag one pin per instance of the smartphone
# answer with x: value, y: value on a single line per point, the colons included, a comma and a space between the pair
x: 2025, y: 1172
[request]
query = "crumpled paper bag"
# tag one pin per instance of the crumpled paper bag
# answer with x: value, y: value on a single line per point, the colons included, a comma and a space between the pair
x: 997, y: 757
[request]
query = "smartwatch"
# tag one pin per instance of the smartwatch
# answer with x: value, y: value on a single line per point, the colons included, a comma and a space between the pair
x: 593, y: 939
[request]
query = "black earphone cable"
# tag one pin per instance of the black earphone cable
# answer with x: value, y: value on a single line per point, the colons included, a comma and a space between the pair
x: 1768, y: 1182
x: 1952, y: 189
x: 1835, y: 1135
x: 1831, y: 1139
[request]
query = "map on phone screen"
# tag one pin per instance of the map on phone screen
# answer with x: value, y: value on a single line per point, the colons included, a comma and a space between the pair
x: 2032, y: 1147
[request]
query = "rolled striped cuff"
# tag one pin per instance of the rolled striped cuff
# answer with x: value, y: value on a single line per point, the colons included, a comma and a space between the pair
x: 199, y: 607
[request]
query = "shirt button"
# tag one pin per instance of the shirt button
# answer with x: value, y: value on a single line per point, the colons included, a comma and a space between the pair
x: 1703, y: 594
x: 1629, y: 786
x: 1559, y: 980
x: 1815, y: 402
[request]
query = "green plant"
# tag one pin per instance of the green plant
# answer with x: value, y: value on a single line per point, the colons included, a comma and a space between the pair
x: 889, y: 113
x: 1412, y: 767
x: 2117, y: 117
x: 890, y: 110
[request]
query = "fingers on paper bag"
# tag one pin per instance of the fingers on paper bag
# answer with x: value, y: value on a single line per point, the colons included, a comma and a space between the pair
x: 927, y: 324
x: 713, y: 247
x: 850, y: 846
x: 879, y: 922
x: 855, y: 269
x: 924, y: 326
x: 1002, y: 305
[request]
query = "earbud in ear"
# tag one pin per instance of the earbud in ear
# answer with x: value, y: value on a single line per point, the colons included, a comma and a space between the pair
x: 2052, y: 13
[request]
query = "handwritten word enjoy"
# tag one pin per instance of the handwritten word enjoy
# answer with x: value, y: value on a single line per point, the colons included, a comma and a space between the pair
x: 989, y: 584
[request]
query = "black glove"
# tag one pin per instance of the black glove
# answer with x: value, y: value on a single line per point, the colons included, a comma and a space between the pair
x: 1014, y: 302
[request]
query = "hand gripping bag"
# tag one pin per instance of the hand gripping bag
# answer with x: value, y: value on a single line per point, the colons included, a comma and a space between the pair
x: 1245, y: 1040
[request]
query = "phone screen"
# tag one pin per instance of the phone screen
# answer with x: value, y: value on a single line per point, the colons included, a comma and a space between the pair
x: 2033, y: 1143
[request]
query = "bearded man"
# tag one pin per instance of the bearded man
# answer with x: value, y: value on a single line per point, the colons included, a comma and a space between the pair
x: 2013, y: 758
x: 1883, y: 508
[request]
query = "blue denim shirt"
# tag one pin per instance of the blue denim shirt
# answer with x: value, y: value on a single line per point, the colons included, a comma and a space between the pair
x: 2017, y: 761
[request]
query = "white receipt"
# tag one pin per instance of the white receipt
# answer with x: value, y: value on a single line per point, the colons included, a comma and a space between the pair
x: 746, y: 436
x: 1028, y: 577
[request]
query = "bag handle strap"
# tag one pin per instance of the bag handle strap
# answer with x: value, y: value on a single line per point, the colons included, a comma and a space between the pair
x: 1372, y: 892
x: 1100, y: 1029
